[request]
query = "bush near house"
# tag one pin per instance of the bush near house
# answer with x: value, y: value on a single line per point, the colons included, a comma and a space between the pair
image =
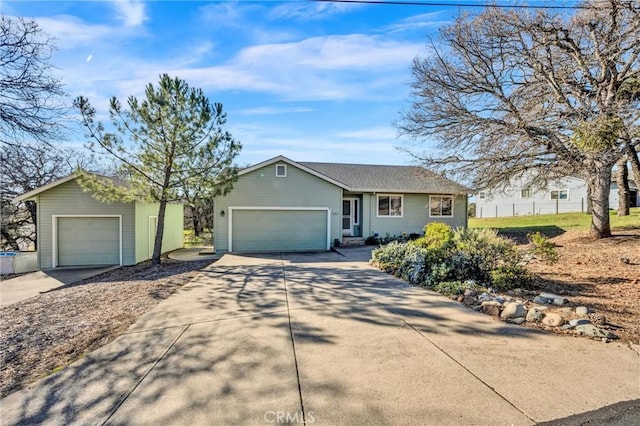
x: 451, y: 261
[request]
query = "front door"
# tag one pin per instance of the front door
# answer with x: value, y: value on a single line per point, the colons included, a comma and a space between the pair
x: 350, y: 216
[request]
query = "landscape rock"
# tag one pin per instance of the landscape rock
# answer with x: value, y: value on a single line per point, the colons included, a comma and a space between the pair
x: 499, y: 299
x: 484, y: 296
x: 591, y: 330
x: 534, y: 315
x: 477, y: 308
x: 493, y: 310
x: 468, y: 300
x: 470, y: 292
x: 550, y: 295
x: 582, y: 310
x: 542, y: 300
x: 491, y: 303
x: 560, y: 301
x: 513, y: 310
x: 553, y: 320
x: 518, y: 320
x: 576, y: 322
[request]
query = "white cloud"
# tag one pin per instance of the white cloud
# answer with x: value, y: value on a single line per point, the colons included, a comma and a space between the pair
x: 70, y: 31
x: 311, y: 11
x: 432, y: 20
x: 131, y: 12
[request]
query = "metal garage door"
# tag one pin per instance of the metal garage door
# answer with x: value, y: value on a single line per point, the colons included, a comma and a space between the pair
x: 279, y: 230
x: 88, y: 241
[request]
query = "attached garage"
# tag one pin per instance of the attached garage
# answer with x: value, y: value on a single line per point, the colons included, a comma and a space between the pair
x: 262, y: 229
x: 82, y: 241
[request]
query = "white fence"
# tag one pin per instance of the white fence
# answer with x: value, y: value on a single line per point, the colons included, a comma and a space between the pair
x: 530, y: 208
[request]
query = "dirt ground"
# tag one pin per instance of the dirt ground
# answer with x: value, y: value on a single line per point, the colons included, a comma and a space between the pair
x: 603, y: 275
x: 43, y: 334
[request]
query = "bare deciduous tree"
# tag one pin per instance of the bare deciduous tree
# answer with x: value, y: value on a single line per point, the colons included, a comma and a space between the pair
x: 30, y: 97
x: 26, y: 167
x: 513, y: 93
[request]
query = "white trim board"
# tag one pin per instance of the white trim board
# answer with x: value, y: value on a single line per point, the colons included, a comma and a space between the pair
x: 271, y: 208
x: 54, y: 233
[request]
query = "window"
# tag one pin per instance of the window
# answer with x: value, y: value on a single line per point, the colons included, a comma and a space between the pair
x: 441, y: 205
x: 390, y: 205
x: 481, y: 195
x: 526, y: 193
x: 281, y: 170
x: 560, y: 194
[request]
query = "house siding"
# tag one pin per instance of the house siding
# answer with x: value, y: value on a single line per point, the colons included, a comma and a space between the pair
x: 261, y: 188
x: 173, y: 235
x: 415, y: 215
x: 508, y: 202
x: 69, y: 199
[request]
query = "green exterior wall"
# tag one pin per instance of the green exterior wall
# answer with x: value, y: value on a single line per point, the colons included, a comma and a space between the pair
x: 261, y: 188
x: 415, y: 215
x: 172, y: 237
x: 69, y: 199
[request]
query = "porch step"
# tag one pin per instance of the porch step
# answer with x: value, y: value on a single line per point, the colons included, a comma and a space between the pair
x: 352, y: 241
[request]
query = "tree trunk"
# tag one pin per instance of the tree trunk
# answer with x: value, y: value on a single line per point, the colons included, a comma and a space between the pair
x: 589, y: 205
x: 632, y: 156
x: 157, y: 244
x: 195, y: 220
x: 622, y: 180
x: 599, y: 183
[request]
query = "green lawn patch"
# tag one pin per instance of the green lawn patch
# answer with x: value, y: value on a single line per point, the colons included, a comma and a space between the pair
x: 554, y: 224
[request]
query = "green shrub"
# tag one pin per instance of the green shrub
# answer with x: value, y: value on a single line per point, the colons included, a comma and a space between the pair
x: 389, y: 256
x: 451, y: 261
x: 453, y: 287
x: 543, y: 248
x: 508, y: 277
x: 372, y: 241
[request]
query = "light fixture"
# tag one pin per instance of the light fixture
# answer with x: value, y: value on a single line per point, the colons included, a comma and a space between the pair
x: 222, y: 213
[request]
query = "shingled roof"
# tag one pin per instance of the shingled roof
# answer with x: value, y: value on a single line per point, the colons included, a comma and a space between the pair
x: 373, y: 178
x: 379, y: 178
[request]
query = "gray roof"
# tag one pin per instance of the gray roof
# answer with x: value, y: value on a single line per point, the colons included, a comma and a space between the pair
x: 378, y: 178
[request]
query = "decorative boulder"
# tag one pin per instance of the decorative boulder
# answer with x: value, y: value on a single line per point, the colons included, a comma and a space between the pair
x: 513, y: 310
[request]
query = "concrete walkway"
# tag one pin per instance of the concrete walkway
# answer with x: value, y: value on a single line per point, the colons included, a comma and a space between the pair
x: 322, y: 339
x: 32, y: 284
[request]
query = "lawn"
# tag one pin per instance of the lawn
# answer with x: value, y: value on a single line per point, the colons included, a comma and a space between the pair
x: 558, y: 222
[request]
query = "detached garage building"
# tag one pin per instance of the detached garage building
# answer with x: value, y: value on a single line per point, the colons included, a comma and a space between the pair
x: 284, y: 205
x: 75, y: 229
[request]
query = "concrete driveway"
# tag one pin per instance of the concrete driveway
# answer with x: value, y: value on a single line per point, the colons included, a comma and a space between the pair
x: 32, y: 284
x: 325, y: 339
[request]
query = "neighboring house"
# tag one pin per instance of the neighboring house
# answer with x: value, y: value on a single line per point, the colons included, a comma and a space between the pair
x: 564, y: 195
x: 75, y: 229
x: 283, y: 205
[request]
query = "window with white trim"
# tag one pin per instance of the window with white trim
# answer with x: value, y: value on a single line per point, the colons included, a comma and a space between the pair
x: 560, y: 194
x: 281, y: 170
x: 482, y: 195
x: 390, y: 205
x: 440, y: 205
x: 526, y: 193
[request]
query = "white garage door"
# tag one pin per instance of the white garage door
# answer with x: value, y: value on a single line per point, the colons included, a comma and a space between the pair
x: 278, y: 230
x: 88, y: 241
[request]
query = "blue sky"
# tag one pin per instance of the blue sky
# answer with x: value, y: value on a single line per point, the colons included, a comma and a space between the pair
x: 311, y: 81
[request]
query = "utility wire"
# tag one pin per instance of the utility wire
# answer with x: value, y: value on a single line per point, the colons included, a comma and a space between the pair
x: 432, y: 3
